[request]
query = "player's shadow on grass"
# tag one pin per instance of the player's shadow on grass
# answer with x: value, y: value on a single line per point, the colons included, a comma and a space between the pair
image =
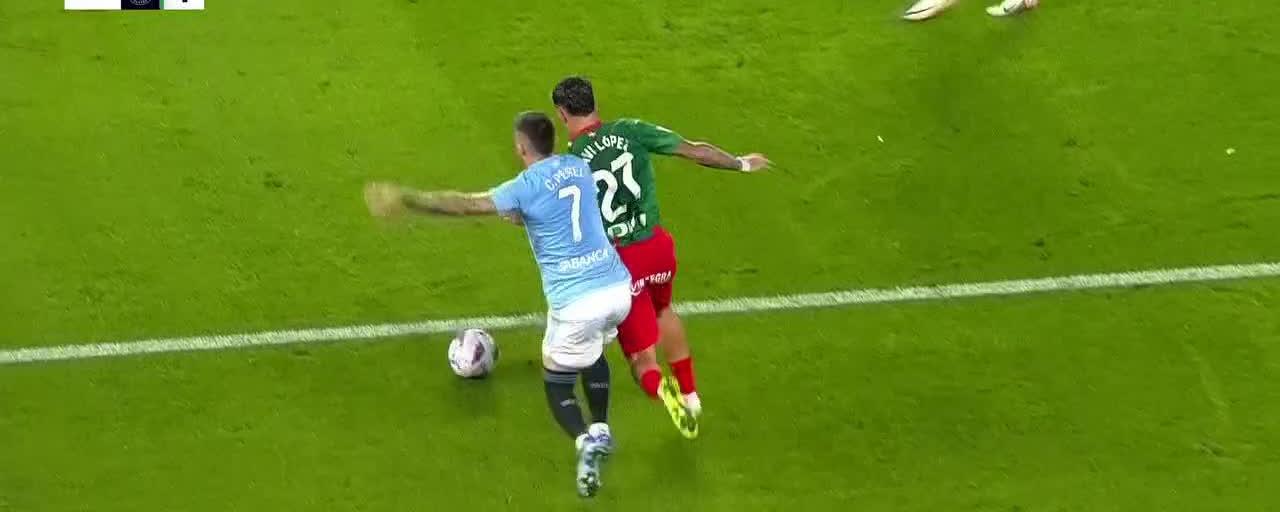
x: 679, y: 466
x: 478, y: 397
x: 475, y: 397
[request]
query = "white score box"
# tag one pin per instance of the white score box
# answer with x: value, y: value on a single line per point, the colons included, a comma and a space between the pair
x: 116, y: 5
x: 92, y: 5
x: 182, y: 5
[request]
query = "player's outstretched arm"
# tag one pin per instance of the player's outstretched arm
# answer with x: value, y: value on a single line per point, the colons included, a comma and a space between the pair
x: 448, y: 202
x: 708, y: 155
x: 390, y: 200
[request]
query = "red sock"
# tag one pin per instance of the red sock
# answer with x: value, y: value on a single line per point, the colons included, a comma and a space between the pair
x: 649, y: 381
x: 683, y: 370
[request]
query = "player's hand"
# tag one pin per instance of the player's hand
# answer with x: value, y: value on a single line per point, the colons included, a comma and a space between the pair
x: 754, y: 162
x: 514, y: 218
x: 385, y: 200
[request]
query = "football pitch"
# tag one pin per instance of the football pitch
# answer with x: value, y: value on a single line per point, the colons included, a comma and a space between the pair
x: 180, y: 176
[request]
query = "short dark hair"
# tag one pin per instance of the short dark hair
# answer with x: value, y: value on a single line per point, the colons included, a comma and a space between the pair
x: 539, y: 129
x: 574, y: 94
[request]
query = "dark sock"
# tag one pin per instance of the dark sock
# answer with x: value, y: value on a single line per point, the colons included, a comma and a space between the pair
x: 563, y: 403
x: 595, y: 385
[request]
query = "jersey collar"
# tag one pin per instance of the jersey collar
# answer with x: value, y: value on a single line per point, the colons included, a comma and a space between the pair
x: 591, y: 127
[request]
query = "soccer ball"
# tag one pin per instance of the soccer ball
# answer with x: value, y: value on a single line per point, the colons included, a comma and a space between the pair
x: 473, y: 354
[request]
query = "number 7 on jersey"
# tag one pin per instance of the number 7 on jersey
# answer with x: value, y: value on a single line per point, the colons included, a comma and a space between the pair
x: 576, y: 214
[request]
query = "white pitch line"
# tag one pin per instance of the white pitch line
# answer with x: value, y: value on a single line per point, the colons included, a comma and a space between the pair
x: 1162, y: 277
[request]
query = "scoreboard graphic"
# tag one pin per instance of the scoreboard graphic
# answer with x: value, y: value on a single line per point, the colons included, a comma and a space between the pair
x: 130, y: 5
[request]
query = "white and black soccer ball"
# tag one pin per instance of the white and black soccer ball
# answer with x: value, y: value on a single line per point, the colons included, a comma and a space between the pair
x: 473, y: 354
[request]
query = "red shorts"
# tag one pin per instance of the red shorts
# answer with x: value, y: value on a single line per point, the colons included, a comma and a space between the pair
x: 652, y: 263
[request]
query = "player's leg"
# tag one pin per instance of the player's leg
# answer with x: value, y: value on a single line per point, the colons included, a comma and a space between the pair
x: 675, y: 346
x: 672, y: 339
x: 559, y: 378
x: 575, y: 346
x: 563, y: 359
x: 592, y: 443
x: 637, y: 335
x: 559, y: 382
x: 610, y: 308
x: 615, y: 305
x: 638, y: 332
x: 596, y: 380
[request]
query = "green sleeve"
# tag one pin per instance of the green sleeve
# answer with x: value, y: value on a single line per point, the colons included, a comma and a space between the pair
x: 653, y: 137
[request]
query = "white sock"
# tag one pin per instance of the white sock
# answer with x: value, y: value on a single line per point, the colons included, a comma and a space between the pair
x: 693, y: 401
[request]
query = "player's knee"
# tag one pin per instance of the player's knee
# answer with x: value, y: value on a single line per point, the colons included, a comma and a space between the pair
x: 643, y: 359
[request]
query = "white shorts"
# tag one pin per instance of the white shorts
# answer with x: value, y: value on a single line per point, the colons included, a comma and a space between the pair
x: 576, y: 333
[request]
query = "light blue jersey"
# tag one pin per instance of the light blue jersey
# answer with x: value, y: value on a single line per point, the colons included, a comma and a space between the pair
x: 556, y: 197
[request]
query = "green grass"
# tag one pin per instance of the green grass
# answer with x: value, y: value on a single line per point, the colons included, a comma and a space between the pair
x: 170, y: 174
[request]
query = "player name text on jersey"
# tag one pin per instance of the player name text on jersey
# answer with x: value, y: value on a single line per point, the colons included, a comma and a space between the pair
x: 553, y: 182
x: 602, y: 143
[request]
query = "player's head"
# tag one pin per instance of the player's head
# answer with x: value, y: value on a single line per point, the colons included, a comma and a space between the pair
x: 574, y: 97
x: 535, y: 136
